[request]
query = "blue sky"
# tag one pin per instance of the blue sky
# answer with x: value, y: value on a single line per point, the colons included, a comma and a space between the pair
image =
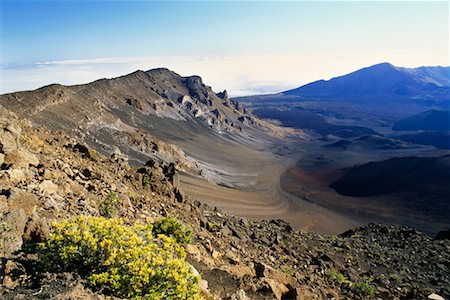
x: 245, y: 47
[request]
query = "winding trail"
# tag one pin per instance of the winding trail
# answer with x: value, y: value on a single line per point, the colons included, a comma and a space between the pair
x: 260, y: 196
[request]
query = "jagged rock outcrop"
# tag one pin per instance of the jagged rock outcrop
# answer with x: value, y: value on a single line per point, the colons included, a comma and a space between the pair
x: 158, y: 92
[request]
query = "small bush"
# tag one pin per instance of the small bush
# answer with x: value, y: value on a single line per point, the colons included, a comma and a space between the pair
x: 108, y: 207
x: 146, y: 180
x: 337, y: 277
x: 125, y: 261
x: 395, y: 277
x: 173, y: 228
x: 287, y: 270
x: 363, y: 289
x: 92, y: 154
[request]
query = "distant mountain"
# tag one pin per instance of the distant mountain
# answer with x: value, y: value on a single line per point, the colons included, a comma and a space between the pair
x: 382, y: 82
x: 432, y: 120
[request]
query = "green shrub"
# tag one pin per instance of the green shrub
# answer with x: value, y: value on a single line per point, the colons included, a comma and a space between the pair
x: 337, y: 277
x: 108, y: 207
x: 174, y: 228
x: 146, y: 180
x: 395, y: 277
x: 363, y: 289
x: 125, y: 261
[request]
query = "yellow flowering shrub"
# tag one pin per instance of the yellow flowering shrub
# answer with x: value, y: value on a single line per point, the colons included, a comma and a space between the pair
x: 121, y: 260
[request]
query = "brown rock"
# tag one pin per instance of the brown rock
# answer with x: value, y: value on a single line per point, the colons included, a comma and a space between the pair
x: 277, y: 288
x: 12, y: 226
x: 9, y: 139
x: 240, y: 271
x: 21, y: 158
x: 9, y: 283
x: 78, y: 292
x: 36, y: 230
x: 20, y: 199
x: 265, y: 271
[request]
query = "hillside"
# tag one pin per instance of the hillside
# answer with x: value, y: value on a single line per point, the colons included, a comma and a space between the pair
x: 48, y: 176
x: 305, y: 120
x: 432, y: 120
x: 159, y: 92
x: 130, y: 113
x: 440, y: 140
x: 395, y: 174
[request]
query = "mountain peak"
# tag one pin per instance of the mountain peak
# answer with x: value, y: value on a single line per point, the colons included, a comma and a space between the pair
x: 160, y: 71
x: 383, y: 64
x: 382, y: 81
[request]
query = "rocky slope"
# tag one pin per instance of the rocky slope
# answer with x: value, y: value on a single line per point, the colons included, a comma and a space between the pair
x: 47, y: 176
x: 158, y: 92
x: 141, y: 114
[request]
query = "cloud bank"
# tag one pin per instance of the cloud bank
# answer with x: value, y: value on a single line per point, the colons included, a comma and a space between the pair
x: 239, y: 74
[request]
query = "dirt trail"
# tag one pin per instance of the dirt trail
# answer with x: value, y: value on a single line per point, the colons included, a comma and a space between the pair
x: 263, y: 198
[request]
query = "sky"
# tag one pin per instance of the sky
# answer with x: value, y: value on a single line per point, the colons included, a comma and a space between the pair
x: 253, y: 47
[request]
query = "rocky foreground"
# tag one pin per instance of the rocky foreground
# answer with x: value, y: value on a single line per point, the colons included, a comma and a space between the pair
x: 48, y: 176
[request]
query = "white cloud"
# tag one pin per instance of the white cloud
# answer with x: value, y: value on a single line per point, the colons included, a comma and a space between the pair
x: 239, y: 74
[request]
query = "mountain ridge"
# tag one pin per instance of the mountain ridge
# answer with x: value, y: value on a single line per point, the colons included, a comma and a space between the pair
x: 384, y: 79
x: 155, y: 86
x: 131, y: 113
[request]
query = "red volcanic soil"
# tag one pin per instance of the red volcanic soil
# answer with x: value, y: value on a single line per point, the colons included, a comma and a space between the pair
x: 425, y: 208
x: 320, y: 178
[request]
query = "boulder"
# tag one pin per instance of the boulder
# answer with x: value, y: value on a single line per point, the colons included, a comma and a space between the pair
x: 17, y: 175
x: 434, y: 296
x: 239, y: 295
x: 21, y: 158
x: 47, y: 187
x: 14, y: 129
x: 265, y: 271
x: 12, y: 273
x: 277, y: 288
x: 36, y: 230
x: 9, y: 139
x: 12, y: 226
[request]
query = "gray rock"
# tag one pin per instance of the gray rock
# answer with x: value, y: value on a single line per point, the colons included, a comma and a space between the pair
x: 239, y: 295
x: 14, y: 129
x: 8, y: 142
x: 18, y: 175
x: 47, y: 187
